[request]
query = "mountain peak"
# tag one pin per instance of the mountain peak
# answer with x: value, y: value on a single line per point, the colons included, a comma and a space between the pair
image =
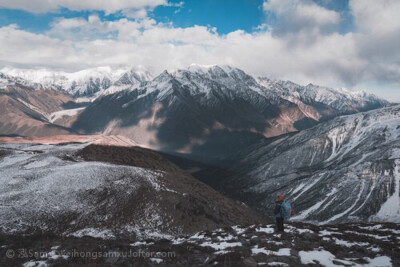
x: 211, y: 68
x: 202, y: 66
x: 222, y: 73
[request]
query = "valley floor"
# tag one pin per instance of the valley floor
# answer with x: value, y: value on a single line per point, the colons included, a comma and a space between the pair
x: 258, y: 245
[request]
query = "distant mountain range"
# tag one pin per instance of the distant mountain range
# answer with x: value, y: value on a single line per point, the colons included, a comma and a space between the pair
x: 203, y: 111
x: 89, y: 82
x: 216, y: 110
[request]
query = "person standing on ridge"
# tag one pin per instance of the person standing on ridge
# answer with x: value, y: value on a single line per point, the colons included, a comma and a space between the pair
x: 279, y: 217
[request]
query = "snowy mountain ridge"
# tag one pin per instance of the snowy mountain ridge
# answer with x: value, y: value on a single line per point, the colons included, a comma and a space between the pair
x: 229, y: 75
x: 340, y: 98
x: 198, y: 79
x: 86, y: 82
x: 8, y: 80
x: 108, y: 80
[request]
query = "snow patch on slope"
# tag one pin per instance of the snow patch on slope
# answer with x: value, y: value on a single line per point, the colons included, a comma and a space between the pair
x: 64, y: 113
x: 390, y: 210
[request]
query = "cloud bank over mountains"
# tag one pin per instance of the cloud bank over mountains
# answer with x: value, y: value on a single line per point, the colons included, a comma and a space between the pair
x: 302, y: 43
x: 40, y: 6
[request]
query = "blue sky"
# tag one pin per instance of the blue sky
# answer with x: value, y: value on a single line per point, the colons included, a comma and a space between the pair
x: 339, y: 43
x: 226, y: 15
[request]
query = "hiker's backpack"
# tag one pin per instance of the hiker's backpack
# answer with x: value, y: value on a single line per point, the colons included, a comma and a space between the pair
x: 286, y: 210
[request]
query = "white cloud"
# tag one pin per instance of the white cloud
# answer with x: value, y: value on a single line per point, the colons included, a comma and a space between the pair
x: 160, y: 47
x: 378, y: 37
x: 109, y: 6
x: 94, y: 27
x: 376, y: 16
x: 135, y: 13
x: 301, y: 15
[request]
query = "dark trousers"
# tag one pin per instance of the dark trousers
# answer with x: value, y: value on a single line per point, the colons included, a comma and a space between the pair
x: 279, y: 224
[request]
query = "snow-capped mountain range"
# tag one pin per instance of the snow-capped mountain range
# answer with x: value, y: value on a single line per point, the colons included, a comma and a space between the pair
x: 340, y: 99
x: 203, y: 110
x: 90, y: 82
x: 9, y: 80
x: 87, y: 82
x: 214, y: 110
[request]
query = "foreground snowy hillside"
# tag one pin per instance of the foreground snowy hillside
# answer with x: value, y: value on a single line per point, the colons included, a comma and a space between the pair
x: 356, y: 245
x: 346, y: 169
x: 81, y: 189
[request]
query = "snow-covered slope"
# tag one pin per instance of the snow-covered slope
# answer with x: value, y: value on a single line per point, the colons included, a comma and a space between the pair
x: 346, y: 169
x: 87, y: 82
x: 9, y: 80
x: 82, y: 189
x: 340, y: 99
x: 54, y: 116
x: 204, y: 110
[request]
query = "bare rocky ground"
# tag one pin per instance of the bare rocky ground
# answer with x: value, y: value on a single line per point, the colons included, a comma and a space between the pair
x: 257, y: 245
x: 111, y: 140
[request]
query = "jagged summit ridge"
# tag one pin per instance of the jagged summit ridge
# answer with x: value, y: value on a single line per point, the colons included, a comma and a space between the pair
x: 235, y: 79
x: 340, y: 99
x: 96, y: 81
x: 86, y: 82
